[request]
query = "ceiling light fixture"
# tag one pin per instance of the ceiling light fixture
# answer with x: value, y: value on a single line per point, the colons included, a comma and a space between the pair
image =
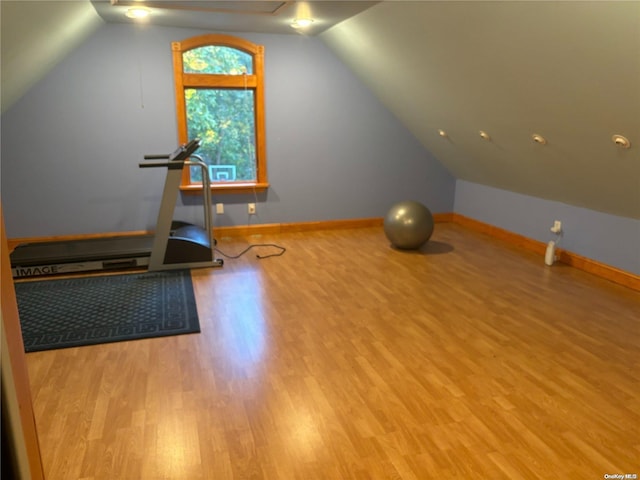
x: 539, y: 139
x: 301, y: 22
x: 137, y: 12
x: 621, y: 141
x: 485, y: 135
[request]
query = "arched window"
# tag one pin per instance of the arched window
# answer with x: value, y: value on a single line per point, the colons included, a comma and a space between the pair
x: 220, y: 100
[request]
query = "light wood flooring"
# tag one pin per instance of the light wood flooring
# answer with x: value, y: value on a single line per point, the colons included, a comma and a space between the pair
x: 346, y: 359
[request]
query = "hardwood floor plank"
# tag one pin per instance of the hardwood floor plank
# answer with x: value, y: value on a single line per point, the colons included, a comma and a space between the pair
x: 347, y: 359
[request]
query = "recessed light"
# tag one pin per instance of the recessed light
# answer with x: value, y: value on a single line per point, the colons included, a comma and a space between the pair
x: 621, y: 141
x: 137, y: 12
x: 539, y: 139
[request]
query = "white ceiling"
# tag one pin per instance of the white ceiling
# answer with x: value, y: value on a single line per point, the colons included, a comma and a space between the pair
x: 236, y: 16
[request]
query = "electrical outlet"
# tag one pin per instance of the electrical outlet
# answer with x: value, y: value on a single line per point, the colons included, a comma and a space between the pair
x: 251, y: 208
x: 557, y: 226
x: 219, y: 208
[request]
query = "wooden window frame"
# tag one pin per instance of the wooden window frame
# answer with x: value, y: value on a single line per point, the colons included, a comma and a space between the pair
x: 254, y: 81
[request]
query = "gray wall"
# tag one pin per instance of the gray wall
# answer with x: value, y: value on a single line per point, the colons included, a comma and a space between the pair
x: 71, y: 145
x: 609, y: 239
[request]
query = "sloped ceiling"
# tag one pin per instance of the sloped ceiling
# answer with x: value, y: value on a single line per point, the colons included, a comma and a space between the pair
x: 569, y: 71
x: 35, y: 36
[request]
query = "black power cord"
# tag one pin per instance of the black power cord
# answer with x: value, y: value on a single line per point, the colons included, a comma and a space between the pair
x: 281, y: 252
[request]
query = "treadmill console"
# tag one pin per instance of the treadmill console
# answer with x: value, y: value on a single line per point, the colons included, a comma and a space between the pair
x: 181, y: 153
x: 184, y: 151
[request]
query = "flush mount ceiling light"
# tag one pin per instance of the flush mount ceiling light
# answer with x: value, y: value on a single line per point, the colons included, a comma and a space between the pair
x: 485, y: 135
x: 137, y: 12
x: 303, y: 17
x: 301, y: 22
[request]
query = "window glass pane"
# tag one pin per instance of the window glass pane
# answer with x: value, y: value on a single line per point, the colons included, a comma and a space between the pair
x: 217, y: 60
x: 224, y: 120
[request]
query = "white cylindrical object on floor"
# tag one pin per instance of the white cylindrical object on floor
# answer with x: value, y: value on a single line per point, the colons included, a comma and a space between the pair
x: 550, y: 254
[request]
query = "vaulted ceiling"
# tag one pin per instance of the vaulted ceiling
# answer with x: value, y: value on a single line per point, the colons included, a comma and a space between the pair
x: 567, y: 71
x: 35, y: 36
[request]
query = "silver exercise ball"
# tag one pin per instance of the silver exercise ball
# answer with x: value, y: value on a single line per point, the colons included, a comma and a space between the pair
x: 408, y: 225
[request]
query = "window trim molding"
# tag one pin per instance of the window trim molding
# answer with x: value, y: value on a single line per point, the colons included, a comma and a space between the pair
x: 254, y: 81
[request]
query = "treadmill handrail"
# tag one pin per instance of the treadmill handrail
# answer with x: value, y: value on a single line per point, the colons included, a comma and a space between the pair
x: 169, y: 165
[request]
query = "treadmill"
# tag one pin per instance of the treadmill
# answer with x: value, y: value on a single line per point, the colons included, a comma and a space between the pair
x: 174, y: 245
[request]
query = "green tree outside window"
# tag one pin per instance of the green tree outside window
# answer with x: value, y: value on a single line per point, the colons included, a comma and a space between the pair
x: 219, y: 98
